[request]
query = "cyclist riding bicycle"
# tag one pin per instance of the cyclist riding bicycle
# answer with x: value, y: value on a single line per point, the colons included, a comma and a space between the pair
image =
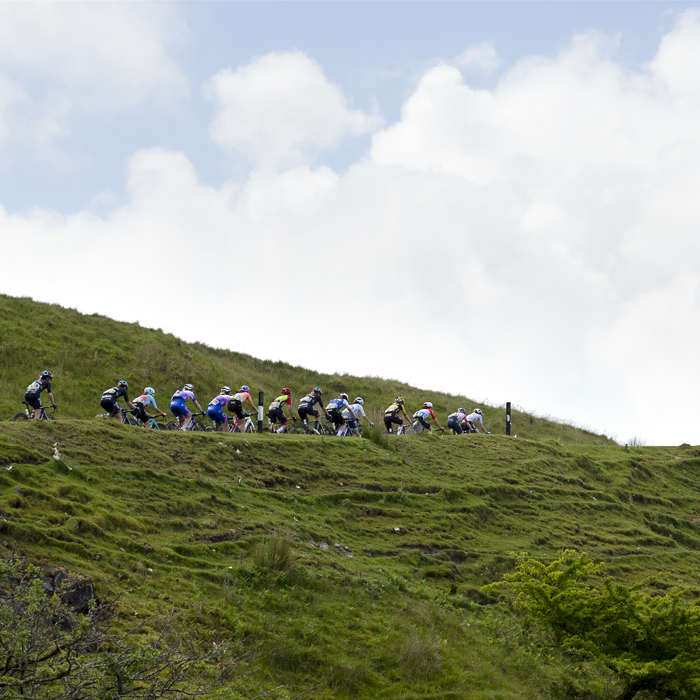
x: 421, y: 417
x: 391, y: 414
x: 178, y: 407
x: 140, y: 403
x: 306, y: 405
x: 110, y: 397
x: 33, y: 394
x: 357, y: 407
x: 276, y: 411
x: 215, y: 410
x: 473, y: 418
x: 457, y: 421
x: 335, y: 408
x: 238, y: 399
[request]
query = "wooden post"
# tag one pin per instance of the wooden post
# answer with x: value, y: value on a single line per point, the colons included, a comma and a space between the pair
x: 508, y: 418
x: 261, y: 403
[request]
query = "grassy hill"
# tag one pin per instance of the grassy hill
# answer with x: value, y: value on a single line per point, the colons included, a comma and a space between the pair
x: 88, y: 354
x: 345, y: 568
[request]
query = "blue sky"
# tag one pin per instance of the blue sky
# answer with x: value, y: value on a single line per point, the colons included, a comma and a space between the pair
x: 503, y: 193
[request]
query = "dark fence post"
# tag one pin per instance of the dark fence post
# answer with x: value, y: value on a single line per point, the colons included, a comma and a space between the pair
x: 261, y: 403
x: 508, y: 418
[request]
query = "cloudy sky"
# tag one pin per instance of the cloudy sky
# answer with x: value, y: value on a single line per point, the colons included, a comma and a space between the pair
x: 500, y: 199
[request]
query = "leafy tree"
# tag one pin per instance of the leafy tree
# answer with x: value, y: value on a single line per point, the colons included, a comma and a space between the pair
x: 49, y: 651
x: 650, y: 641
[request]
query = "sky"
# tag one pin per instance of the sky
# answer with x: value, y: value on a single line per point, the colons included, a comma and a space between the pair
x: 497, y: 199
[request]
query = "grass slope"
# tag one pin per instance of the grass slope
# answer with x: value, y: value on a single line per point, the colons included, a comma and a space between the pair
x: 351, y: 569
x: 88, y: 354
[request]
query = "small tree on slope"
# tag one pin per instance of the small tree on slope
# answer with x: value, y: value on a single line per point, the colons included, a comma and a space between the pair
x: 651, y: 642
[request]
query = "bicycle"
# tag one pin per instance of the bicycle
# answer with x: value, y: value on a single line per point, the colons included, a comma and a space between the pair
x: 194, y: 425
x: 129, y: 417
x: 29, y: 413
x: 318, y: 428
x: 248, y: 426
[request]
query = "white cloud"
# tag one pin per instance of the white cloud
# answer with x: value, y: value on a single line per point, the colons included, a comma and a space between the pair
x: 280, y: 109
x: 480, y: 58
x: 536, y: 242
x: 85, y: 57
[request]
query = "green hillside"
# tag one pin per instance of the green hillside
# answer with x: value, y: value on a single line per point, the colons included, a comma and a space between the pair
x: 344, y: 568
x: 88, y: 354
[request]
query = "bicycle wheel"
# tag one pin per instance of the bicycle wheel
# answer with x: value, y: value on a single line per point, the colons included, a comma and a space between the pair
x: 325, y: 430
x: 208, y: 427
x: 250, y: 428
x: 196, y: 426
x: 20, y: 417
x: 172, y: 425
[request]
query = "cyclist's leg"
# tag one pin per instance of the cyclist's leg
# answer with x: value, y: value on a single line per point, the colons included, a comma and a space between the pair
x: 34, y: 400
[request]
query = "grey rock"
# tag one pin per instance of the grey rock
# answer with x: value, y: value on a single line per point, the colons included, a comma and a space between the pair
x: 18, y: 491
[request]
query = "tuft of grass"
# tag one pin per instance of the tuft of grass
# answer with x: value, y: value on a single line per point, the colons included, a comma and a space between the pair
x: 275, y: 556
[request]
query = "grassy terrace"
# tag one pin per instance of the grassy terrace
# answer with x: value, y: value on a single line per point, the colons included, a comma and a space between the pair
x: 350, y: 568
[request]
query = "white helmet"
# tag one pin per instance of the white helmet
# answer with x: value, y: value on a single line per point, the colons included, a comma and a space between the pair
x: 343, y: 396
x: 359, y: 400
x: 477, y: 410
x: 225, y: 389
x: 149, y: 390
x: 188, y: 387
x: 427, y: 404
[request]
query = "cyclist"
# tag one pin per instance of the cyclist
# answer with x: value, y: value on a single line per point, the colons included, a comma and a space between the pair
x: 140, y: 403
x: 238, y: 399
x: 33, y: 394
x: 391, y: 414
x: 306, y: 405
x: 456, y: 421
x: 357, y: 407
x: 110, y: 397
x: 335, y: 408
x: 178, y: 408
x: 215, y: 410
x: 472, y: 419
x: 421, y: 417
x: 276, y: 411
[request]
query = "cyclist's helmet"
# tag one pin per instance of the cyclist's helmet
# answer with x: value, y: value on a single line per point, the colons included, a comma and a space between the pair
x: 427, y: 404
x: 245, y: 387
x: 461, y: 410
x: 225, y: 389
x: 477, y: 410
x: 123, y: 383
x: 149, y: 390
x: 359, y: 400
x: 188, y: 387
x: 399, y: 400
x: 46, y: 373
x: 344, y: 396
x: 287, y: 392
x: 317, y: 390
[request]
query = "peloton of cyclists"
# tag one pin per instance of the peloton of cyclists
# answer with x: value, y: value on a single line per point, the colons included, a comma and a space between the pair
x: 33, y: 394
x: 276, y: 411
x: 421, y: 417
x: 110, y: 400
x: 140, y: 403
x: 178, y: 407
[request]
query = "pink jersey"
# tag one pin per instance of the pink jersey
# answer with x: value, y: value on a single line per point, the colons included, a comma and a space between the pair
x: 241, y: 396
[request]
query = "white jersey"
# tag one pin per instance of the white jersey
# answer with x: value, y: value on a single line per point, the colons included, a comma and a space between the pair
x: 475, y: 418
x: 357, y: 410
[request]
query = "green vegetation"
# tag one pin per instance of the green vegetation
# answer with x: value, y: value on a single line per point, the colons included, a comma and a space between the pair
x: 351, y: 568
x: 651, y: 642
x: 88, y: 354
